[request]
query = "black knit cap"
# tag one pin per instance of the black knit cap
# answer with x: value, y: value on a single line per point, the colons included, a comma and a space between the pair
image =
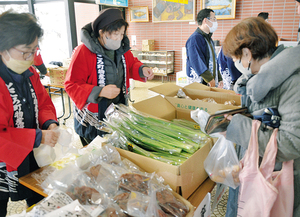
x: 106, y: 17
x: 298, y: 1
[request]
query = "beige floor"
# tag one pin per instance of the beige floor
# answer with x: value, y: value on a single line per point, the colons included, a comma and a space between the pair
x: 138, y: 93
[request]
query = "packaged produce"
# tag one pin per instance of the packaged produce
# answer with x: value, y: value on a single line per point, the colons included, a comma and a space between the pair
x: 110, y: 186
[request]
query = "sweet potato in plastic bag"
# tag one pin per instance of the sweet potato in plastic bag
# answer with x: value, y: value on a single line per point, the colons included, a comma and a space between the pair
x: 222, y: 164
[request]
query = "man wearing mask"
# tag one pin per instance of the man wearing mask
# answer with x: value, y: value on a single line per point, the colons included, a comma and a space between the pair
x: 201, y: 65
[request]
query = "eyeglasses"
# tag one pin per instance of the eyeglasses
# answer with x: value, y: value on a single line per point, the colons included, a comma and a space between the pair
x: 28, y: 55
x: 213, y: 19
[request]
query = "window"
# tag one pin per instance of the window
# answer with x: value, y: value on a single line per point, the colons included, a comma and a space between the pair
x: 17, y: 8
x: 52, y: 18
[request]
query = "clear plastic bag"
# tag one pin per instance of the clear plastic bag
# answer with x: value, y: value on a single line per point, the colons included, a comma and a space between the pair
x: 137, y: 204
x: 222, y: 164
x: 44, y: 155
x: 200, y: 117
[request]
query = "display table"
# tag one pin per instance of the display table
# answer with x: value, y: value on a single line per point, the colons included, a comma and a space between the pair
x: 32, y: 183
x: 195, y: 199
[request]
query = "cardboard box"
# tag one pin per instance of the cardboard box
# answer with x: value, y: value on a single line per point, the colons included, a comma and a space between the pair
x: 57, y: 75
x: 183, y: 179
x: 148, y: 47
x: 199, y: 91
x: 148, y: 42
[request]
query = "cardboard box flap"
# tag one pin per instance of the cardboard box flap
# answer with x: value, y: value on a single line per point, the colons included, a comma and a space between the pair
x: 167, y: 89
x: 192, y: 171
x: 197, y: 86
x: 222, y: 90
x: 158, y: 107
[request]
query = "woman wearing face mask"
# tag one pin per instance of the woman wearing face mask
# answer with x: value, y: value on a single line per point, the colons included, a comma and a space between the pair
x: 270, y: 79
x: 201, y: 62
x: 99, y: 71
x: 28, y: 116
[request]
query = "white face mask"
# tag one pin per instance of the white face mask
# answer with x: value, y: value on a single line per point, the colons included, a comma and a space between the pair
x: 111, y: 44
x: 214, y: 26
x: 238, y: 64
x: 18, y: 66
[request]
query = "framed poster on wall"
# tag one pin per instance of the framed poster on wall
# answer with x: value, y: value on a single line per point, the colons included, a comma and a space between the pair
x: 139, y: 14
x: 173, y: 10
x: 118, y: 3
x: 224, y: 9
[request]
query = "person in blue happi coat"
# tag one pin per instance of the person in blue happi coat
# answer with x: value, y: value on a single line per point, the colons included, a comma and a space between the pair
x: 201, y: 63
x: 228, y: 70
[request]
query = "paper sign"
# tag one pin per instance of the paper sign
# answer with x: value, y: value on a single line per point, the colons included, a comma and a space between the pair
x: 203, y: 210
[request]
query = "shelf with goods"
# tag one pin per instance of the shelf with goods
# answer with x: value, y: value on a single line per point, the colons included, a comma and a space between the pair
x: 161, y: 62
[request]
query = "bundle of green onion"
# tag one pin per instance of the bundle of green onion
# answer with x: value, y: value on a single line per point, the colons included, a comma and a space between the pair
x: 152, y: 137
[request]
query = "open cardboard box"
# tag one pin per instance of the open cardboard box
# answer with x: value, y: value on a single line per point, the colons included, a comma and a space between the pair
x: 198, y: 91
x: 183, y: 179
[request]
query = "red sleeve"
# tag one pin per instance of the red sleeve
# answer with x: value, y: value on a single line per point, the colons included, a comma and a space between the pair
x: 133, y: 65
x: 78, y: 81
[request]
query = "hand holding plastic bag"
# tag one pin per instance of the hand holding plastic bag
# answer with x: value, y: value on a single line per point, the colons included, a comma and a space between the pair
x: 45, y: 154
x: 222, y: 164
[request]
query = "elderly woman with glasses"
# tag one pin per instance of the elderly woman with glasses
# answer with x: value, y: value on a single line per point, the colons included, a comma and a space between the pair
x: 28, y: 117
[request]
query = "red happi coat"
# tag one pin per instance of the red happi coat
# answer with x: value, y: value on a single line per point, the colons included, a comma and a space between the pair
x: 17, y: 143
x: 83, y: 79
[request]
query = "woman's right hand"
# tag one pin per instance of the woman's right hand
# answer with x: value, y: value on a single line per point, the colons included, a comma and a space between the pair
x: 50, y: 137
x: 110, y: 91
